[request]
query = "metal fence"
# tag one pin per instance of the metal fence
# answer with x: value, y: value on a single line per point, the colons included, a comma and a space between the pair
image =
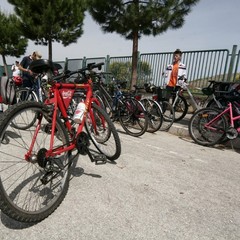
x: 204, y: 65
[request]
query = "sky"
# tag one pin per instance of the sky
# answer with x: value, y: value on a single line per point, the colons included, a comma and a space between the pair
x: 211, y: 24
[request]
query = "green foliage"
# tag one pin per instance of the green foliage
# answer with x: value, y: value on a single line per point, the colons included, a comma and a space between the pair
x: 122, y: 71
x: 134, y: 18
x: 12, y: 42
x: 47, y: 21
x: 148, y: 17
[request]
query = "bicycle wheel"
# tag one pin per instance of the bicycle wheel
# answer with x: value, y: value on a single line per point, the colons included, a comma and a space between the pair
x: 155, y: 117
x: 103, y: 133
x: 25, y: 94
x: 207, y: 135
x: 168, y: 115
x: 32, y: 185
x: 133, y: 117
x: 180, y: 108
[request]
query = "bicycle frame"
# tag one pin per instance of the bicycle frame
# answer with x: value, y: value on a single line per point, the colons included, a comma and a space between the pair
x: 193, y: 102
x: 60, y: 95
x: 229, y: 110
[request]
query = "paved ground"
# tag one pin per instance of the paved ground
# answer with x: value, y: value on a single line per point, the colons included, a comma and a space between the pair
x: 162, y: 187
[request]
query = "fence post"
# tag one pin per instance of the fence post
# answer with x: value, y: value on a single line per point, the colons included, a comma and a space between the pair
x: 138, y: 66
x: 107, y: 63
x: 84, y: 62
x: 232, y: 60
x: 66, y: 64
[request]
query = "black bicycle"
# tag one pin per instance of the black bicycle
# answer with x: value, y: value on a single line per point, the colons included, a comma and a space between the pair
x: 122, y: 107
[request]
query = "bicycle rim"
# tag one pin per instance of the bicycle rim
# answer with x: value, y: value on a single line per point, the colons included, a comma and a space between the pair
x: 155, y: 117
x: 180, y: 108
x: 133, y: 117
x: 22, y: 95
x: 201, y: 133
x: 25, y: 94
x: 103, y: 133
x: 168, y: 115
x: 28, y: 192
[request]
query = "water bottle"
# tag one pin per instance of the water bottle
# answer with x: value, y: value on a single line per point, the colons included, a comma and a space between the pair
x: 79, y: 113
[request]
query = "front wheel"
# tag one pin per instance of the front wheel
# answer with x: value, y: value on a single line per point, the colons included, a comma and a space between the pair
x: 168, y: 115
x: 103, y: 133
x: 206, y: 127
x: 180, y: 107
x: 25, y: 94
x: 32, y: 185
x: 133, y: 117
x: 155, y: 117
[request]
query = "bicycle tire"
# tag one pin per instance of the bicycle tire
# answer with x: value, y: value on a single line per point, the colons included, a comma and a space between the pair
x: 28, y: 96
x: 155, y: 117
x: 133, y: 117
x: 203, y: 135
x: 103, y: 133
x: 180, y: 108
x: 168, y: 115
x: 24, y: 195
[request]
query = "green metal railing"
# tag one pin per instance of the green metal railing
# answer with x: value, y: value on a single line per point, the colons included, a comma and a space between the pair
x: 204, y: 65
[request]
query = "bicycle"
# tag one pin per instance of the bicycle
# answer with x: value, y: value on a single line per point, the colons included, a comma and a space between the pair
x: 160, y: 100
x: 35, y: 173
x: 153, y: 109
x: 209, y: 126
x: 122, y: 107
x: 180, y: 103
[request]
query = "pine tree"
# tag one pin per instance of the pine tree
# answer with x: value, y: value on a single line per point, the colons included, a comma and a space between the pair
x: 47, y: 21
x: 12, y: 41
x: 135, y: 18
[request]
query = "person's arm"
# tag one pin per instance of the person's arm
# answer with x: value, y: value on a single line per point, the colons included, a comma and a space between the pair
x: 22, y: 66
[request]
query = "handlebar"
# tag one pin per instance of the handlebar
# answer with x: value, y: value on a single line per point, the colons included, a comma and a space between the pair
x: 68, y: 73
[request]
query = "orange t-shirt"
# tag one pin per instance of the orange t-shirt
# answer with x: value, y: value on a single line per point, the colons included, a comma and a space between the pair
x: 174, y: 75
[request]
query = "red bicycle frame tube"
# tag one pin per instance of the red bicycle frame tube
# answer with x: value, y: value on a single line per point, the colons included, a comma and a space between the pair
x: 55, y: 99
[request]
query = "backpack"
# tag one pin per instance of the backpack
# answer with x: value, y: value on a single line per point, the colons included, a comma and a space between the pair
x: 7, y: 90
x: 17, y: 80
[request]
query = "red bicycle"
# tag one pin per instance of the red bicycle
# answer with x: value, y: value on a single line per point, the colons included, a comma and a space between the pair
x: 35, y: 160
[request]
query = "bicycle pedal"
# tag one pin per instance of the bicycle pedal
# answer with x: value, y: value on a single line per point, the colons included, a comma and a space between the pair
x: 100, y: 159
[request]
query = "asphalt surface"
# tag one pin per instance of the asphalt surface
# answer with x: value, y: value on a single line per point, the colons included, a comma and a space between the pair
x: 163, y: 186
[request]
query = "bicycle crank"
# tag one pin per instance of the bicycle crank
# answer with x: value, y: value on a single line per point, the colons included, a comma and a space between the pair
x: 41, y: 157
x: 82, y: 143
x: 231, y: 133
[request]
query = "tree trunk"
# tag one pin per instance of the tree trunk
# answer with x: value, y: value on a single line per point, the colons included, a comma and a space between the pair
x: 5, y: 65
x: 50, y: 49
x: 134, y: 59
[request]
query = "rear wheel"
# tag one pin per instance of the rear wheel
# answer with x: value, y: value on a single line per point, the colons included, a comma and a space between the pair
x: 207, y: 134
x: 32, y: 185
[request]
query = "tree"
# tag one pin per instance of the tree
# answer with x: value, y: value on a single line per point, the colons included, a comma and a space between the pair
x: 135, y: 18
x: 47, y: 21
x: 122, y: 71
x: 12, y: 41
